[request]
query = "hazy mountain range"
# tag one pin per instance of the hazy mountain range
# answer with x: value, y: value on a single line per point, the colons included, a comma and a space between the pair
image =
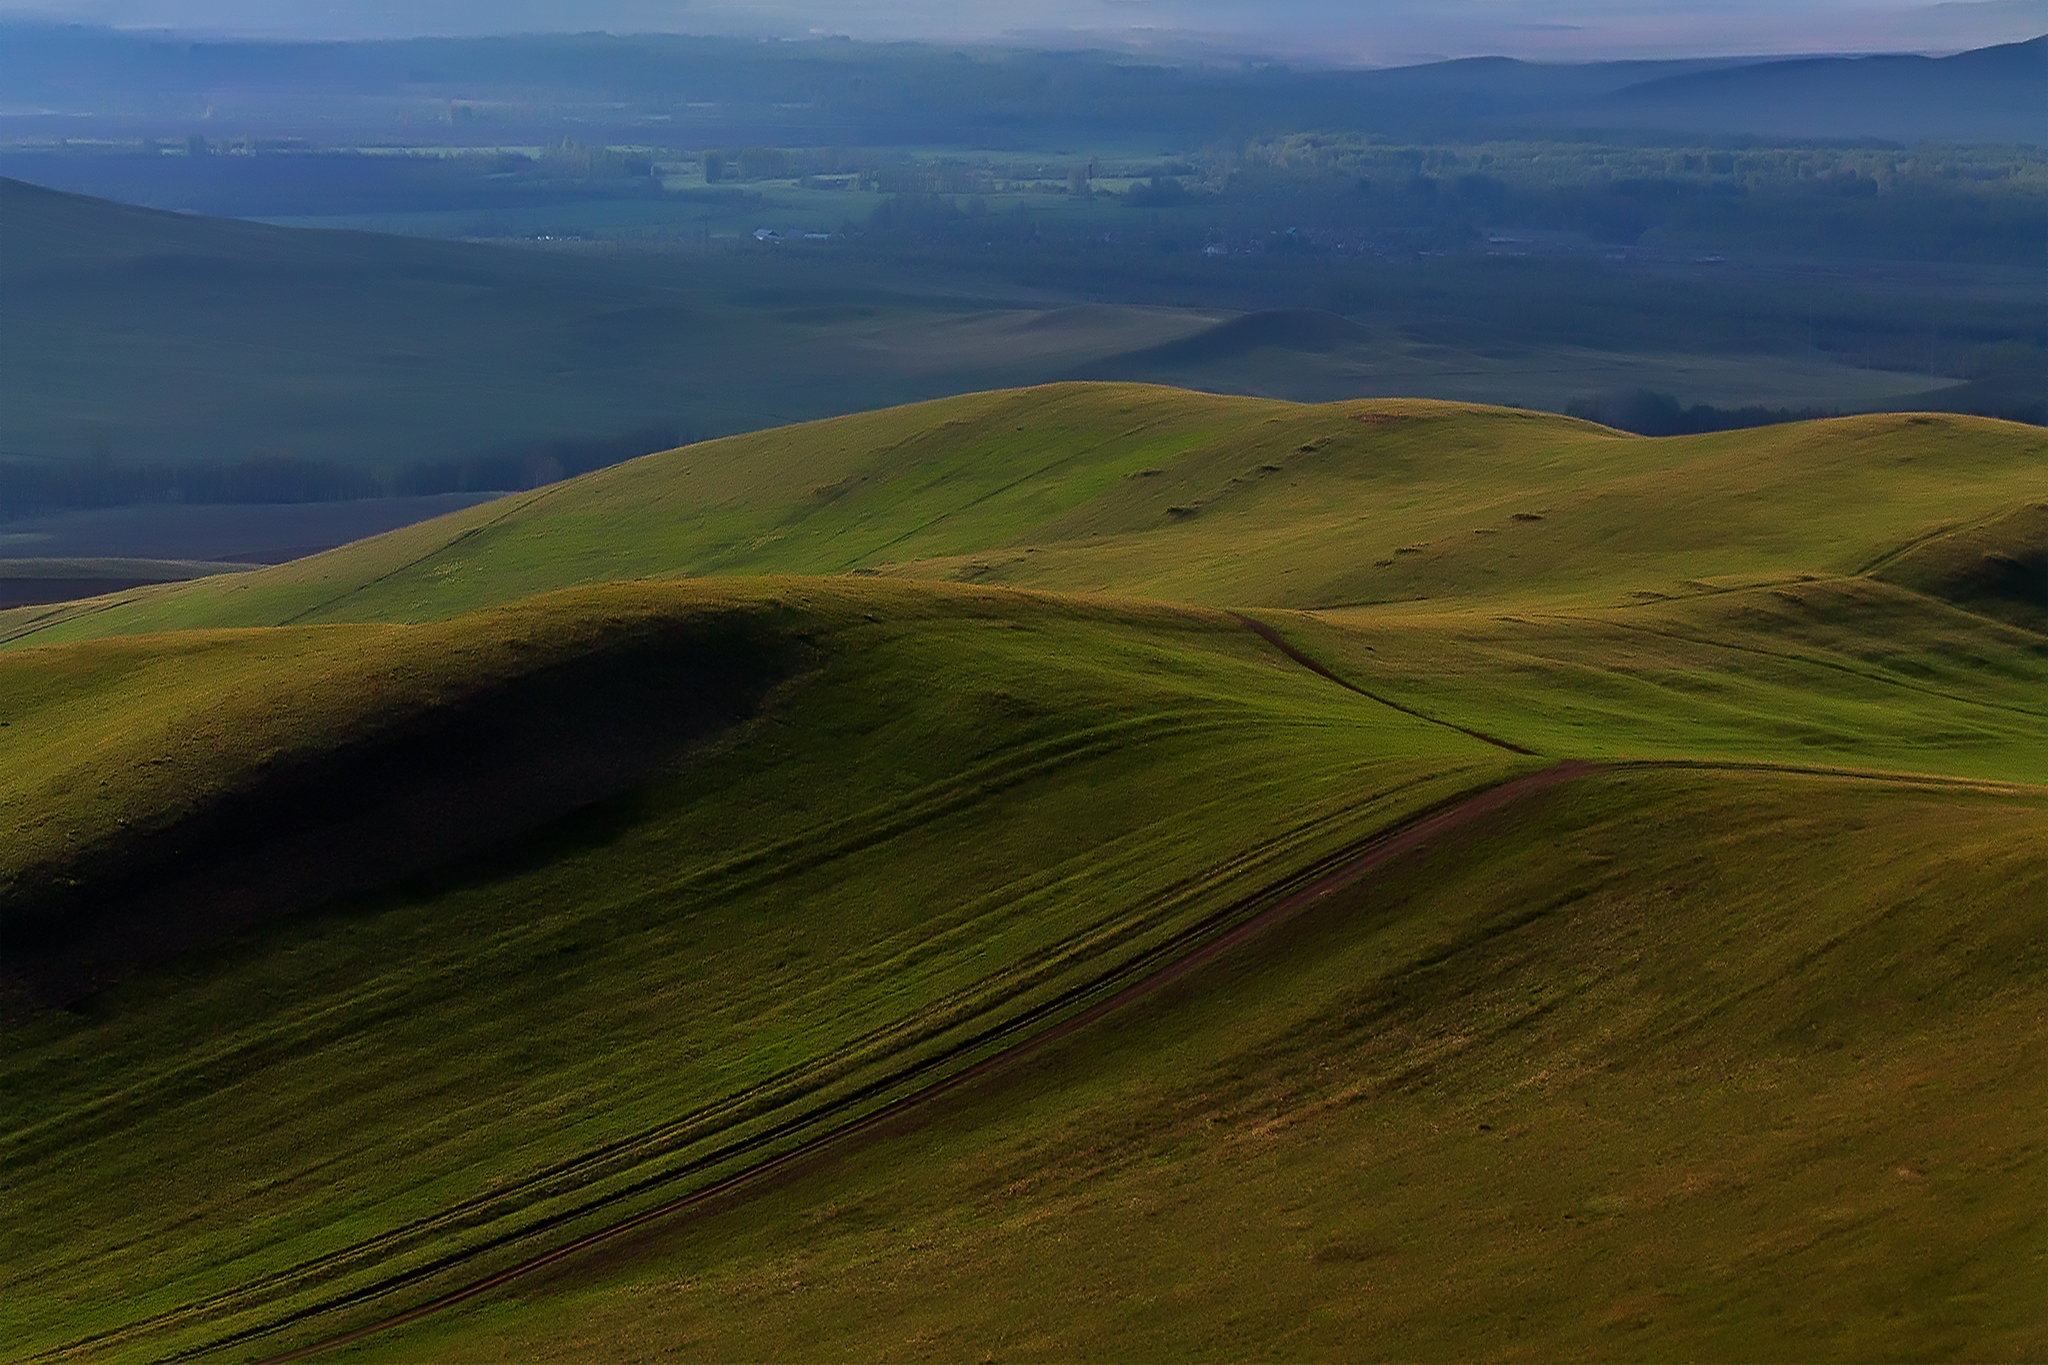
x: 1381, y: 32
x: 84, y: 82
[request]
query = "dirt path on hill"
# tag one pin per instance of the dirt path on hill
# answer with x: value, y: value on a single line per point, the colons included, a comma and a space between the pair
x: 1352, y: 869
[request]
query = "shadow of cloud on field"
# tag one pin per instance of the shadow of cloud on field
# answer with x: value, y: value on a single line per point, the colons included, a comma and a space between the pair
x: 1284, y: 329
x: 485, y: 773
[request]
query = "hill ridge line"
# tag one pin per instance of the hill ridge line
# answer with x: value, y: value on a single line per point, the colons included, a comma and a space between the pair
x: 512, y: 505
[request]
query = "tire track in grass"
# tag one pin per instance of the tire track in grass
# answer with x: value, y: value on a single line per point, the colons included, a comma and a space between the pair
x: 871, y: 1103
x: 719, y: 1119
x: 782, y: 1107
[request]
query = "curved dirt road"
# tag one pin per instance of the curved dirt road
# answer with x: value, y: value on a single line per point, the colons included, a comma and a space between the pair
x: 1352, y: 869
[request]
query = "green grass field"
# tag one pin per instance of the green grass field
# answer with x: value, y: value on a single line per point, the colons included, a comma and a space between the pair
x: 382, y: 920
x: 1675, y: 1067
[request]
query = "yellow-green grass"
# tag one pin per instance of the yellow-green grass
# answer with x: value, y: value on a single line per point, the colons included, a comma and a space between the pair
x: 1525, y: 570
x: 963, y: 806
x: 927, y: 817
x: 1662, y: 1066
x: 1075, y: 487
x: 108, y: 741
x: 1849, y: 673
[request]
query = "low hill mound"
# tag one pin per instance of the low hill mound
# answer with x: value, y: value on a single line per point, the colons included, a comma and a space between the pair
x: 260, y: 774
x: 966, y: 816
x: 1454, y: 541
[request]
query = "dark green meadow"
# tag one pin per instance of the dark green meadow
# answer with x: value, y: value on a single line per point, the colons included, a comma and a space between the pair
x: 1675, y: 1066
x: 384, y: 919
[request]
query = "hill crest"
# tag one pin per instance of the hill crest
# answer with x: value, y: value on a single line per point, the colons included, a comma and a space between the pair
x: 1150, y: 492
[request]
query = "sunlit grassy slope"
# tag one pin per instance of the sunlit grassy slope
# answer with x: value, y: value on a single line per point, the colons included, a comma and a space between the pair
x: 1187, y: 497
x: 373, y: 922
x: 1753, y: 592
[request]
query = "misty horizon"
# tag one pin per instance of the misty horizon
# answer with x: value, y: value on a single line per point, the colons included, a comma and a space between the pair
x: 1319, y: 31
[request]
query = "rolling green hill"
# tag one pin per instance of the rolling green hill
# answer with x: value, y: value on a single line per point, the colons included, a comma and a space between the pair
x: 1750, y: 592
x: 961, y: 807
x: 1088, y: 871
x: 1149, y: 491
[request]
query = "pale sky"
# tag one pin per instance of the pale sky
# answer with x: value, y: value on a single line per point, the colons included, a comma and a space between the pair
x: 1341, y: 31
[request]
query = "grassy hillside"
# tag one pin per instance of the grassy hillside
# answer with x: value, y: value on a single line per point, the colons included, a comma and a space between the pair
x: 1708, y: 595
x: 1156, y: 492
x: 381, y: 921
x: 965, y: 807
x: 1726, y: 1068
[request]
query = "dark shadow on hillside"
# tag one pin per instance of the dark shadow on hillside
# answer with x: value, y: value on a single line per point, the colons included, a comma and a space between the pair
x: 394, y: 804
x: 1998, y: 569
